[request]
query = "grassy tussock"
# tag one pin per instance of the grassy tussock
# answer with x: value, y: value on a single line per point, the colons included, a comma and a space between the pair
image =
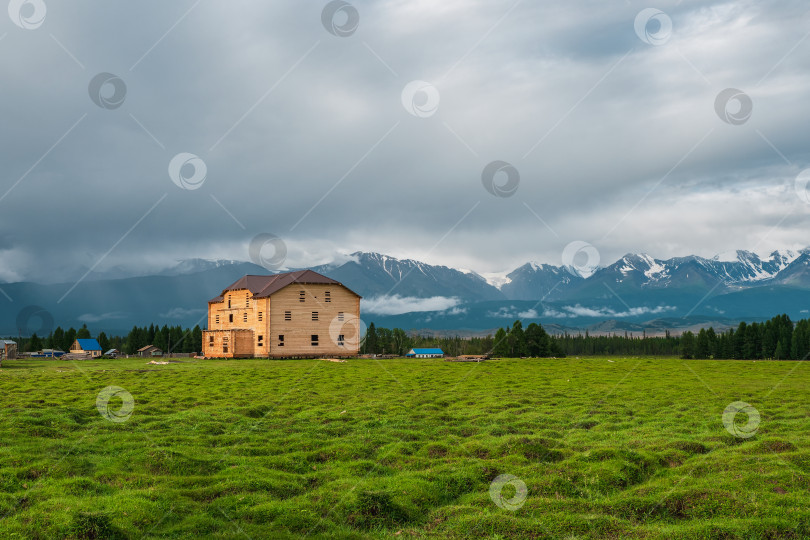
x: 634, y: 448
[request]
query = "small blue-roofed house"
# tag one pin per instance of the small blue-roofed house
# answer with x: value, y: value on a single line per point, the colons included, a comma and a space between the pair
x: 86, y: 346
x: 425, y: 353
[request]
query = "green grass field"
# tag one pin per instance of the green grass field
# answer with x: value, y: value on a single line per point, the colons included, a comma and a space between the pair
x: 607, y: 448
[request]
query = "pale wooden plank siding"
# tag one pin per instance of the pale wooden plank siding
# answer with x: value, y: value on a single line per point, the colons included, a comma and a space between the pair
x: 243, y: 324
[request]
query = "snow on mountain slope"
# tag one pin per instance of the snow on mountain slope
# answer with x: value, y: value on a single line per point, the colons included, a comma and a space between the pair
x: 748, y: 267
x: 376, y: 273
x: 497, y: 279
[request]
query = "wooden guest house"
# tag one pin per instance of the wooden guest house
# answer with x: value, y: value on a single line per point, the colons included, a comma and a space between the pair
x: 88, y: 347
x: 294, y: 314
x: 149, y: 351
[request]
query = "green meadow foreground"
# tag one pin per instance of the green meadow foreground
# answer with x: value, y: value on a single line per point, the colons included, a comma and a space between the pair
x: 607, y: 448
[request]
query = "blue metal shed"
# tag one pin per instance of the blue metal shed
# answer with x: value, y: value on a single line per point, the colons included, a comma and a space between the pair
x: 425, y: 353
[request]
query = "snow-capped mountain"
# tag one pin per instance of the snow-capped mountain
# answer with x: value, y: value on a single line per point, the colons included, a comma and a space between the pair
x: 797, y: 273
x: 538, y: 281
x: 375, y: 274
x: 748, y: 267
x: 744, y: 270
x: 635, y: 288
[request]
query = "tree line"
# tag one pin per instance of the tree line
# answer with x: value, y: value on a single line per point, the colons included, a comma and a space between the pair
x: 168, y: 339
x: 173, y: 339
x: 396, y: 341
x: 62, y: 339
x: 512, y: 341
x: 618, y: 345
x: 779, y: 339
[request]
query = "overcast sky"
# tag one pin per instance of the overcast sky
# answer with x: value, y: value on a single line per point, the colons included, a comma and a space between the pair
x: 370, y: 130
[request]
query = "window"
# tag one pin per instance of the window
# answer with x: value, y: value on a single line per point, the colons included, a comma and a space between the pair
x: 340, y: 316
x: 260, y: 316
x: 340, y: 340
x: 261, y: 341
x: 314, y: 340
x: 328, y: 296
x: 225, y: 339
x: 230, y: 317
x: 314, y: 315
x: 288, y: 315
x: 244, y: 317
x: 301, y: 296
x: 280, y: 340
x: 217, y: 319
x: 211, y: 340
x: 224, y: 348
x: 229, y: 302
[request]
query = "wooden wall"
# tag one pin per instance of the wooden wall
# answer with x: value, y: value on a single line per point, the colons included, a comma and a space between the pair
x: 265, y: 318
x: 299, y: 330
x: 238, y: 341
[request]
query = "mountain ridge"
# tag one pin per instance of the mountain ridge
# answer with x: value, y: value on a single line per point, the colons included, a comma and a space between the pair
x: 634, y: 289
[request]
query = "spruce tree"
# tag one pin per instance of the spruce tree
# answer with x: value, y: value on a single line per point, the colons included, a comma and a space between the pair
x: 103, y: 341
x: 70, y: 337
x: 688, y: 345
x: 702, y: 344
x: 500, y: 347
x: 34, y: 343
x: 83, y: 333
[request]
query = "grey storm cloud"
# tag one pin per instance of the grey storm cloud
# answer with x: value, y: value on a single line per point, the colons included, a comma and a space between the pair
x: 290, y: 129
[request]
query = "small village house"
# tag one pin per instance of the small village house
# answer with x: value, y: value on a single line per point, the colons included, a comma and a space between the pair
x: 294, y: 314
x: 8, y: 349
x: 425, y: 353
x: 88, y: 347
x: 149, y: 351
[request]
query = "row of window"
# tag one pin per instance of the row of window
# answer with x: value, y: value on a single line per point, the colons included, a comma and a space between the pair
x: 302, y: 295
x: 230, y: 317
x: 287, y: 317
x: 314, y: 340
